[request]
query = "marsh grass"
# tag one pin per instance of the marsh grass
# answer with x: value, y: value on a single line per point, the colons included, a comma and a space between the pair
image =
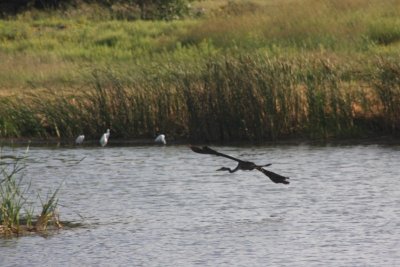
x: 247, y: 70
x: 266, y: 99
x: 16, y: 213
x: 53, y: 50
x: 387, y: 87
x: 229, y: 99
x: 11, y: 195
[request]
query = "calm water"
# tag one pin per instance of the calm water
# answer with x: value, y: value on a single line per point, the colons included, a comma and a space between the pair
x: 167, y: 206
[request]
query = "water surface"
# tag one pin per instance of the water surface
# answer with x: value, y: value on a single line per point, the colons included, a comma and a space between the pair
x: 167, y: 206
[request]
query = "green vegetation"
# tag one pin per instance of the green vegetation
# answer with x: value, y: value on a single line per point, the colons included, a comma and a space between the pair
x: 16, y: 211
x: 241, y: 70
x: 126, y: 9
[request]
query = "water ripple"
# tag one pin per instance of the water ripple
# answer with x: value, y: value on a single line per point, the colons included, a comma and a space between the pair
x: 167, y: 206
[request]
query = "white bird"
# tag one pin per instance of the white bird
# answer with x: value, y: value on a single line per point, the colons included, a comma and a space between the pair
x: 160, y: 139
x: 79, y: 139
x: 104, y: 138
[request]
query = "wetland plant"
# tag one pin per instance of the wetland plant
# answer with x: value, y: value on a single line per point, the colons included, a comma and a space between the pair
x: 16, y: 210
x: 241, y: 98
x: 387, y: 87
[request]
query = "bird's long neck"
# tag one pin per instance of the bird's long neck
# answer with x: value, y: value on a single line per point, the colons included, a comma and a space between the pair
x: 235, y: 169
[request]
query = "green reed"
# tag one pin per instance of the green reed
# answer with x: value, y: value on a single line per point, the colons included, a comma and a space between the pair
x: 386, y: 84
x: 243, y: 98
x: 11, y: 197
x: 16, y: 210
x: 266, y: 99
x: 19, y: 120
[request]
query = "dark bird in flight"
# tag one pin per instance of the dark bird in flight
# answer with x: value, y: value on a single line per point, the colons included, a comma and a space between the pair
x: 242, y: 165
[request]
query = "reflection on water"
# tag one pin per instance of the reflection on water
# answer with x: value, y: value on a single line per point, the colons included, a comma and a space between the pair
x: 167, y: 206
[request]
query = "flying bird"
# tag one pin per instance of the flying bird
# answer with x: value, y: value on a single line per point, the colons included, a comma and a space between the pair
x: 104, y: 138
x: 160, y: 139
x: 242, y: 165
x: 79, y: 139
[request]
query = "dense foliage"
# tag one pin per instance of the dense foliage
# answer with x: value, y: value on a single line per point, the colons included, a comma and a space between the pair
x: 148, y: 9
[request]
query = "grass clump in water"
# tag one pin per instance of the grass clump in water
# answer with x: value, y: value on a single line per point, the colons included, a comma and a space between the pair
x: 16, y: 212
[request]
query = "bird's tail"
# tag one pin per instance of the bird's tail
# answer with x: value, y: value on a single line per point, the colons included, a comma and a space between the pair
x: 266, y: 165
x: 276, y: 178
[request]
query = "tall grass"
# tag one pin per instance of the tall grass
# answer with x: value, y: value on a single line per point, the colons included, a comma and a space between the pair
x: 247, y: 70
x: 387, y: 87
x: 16, y: 213
x: 265, y: 99
x: 342, y: 26
x: 12, y: 197
x: 60, y: 50
x: 229, y: 99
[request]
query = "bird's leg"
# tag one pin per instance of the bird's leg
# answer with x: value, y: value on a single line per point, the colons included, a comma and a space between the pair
x: 229, y: 169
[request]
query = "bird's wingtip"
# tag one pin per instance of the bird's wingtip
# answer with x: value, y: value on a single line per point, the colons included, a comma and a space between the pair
x: 195, y: 148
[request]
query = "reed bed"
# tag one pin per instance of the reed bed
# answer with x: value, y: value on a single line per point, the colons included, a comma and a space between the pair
x: 229, y: 99
x: 386, y: 85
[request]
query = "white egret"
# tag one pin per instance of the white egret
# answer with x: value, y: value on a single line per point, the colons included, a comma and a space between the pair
x: 160, y: 139
x: 104, y: 138
x: 79, y: 139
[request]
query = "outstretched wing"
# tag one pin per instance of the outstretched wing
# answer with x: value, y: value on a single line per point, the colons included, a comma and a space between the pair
x: 207, y: 150
x: 276, y: 178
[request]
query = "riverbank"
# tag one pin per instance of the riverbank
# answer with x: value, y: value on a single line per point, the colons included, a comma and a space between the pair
x: 92, y: 143
x: 248, y: 73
